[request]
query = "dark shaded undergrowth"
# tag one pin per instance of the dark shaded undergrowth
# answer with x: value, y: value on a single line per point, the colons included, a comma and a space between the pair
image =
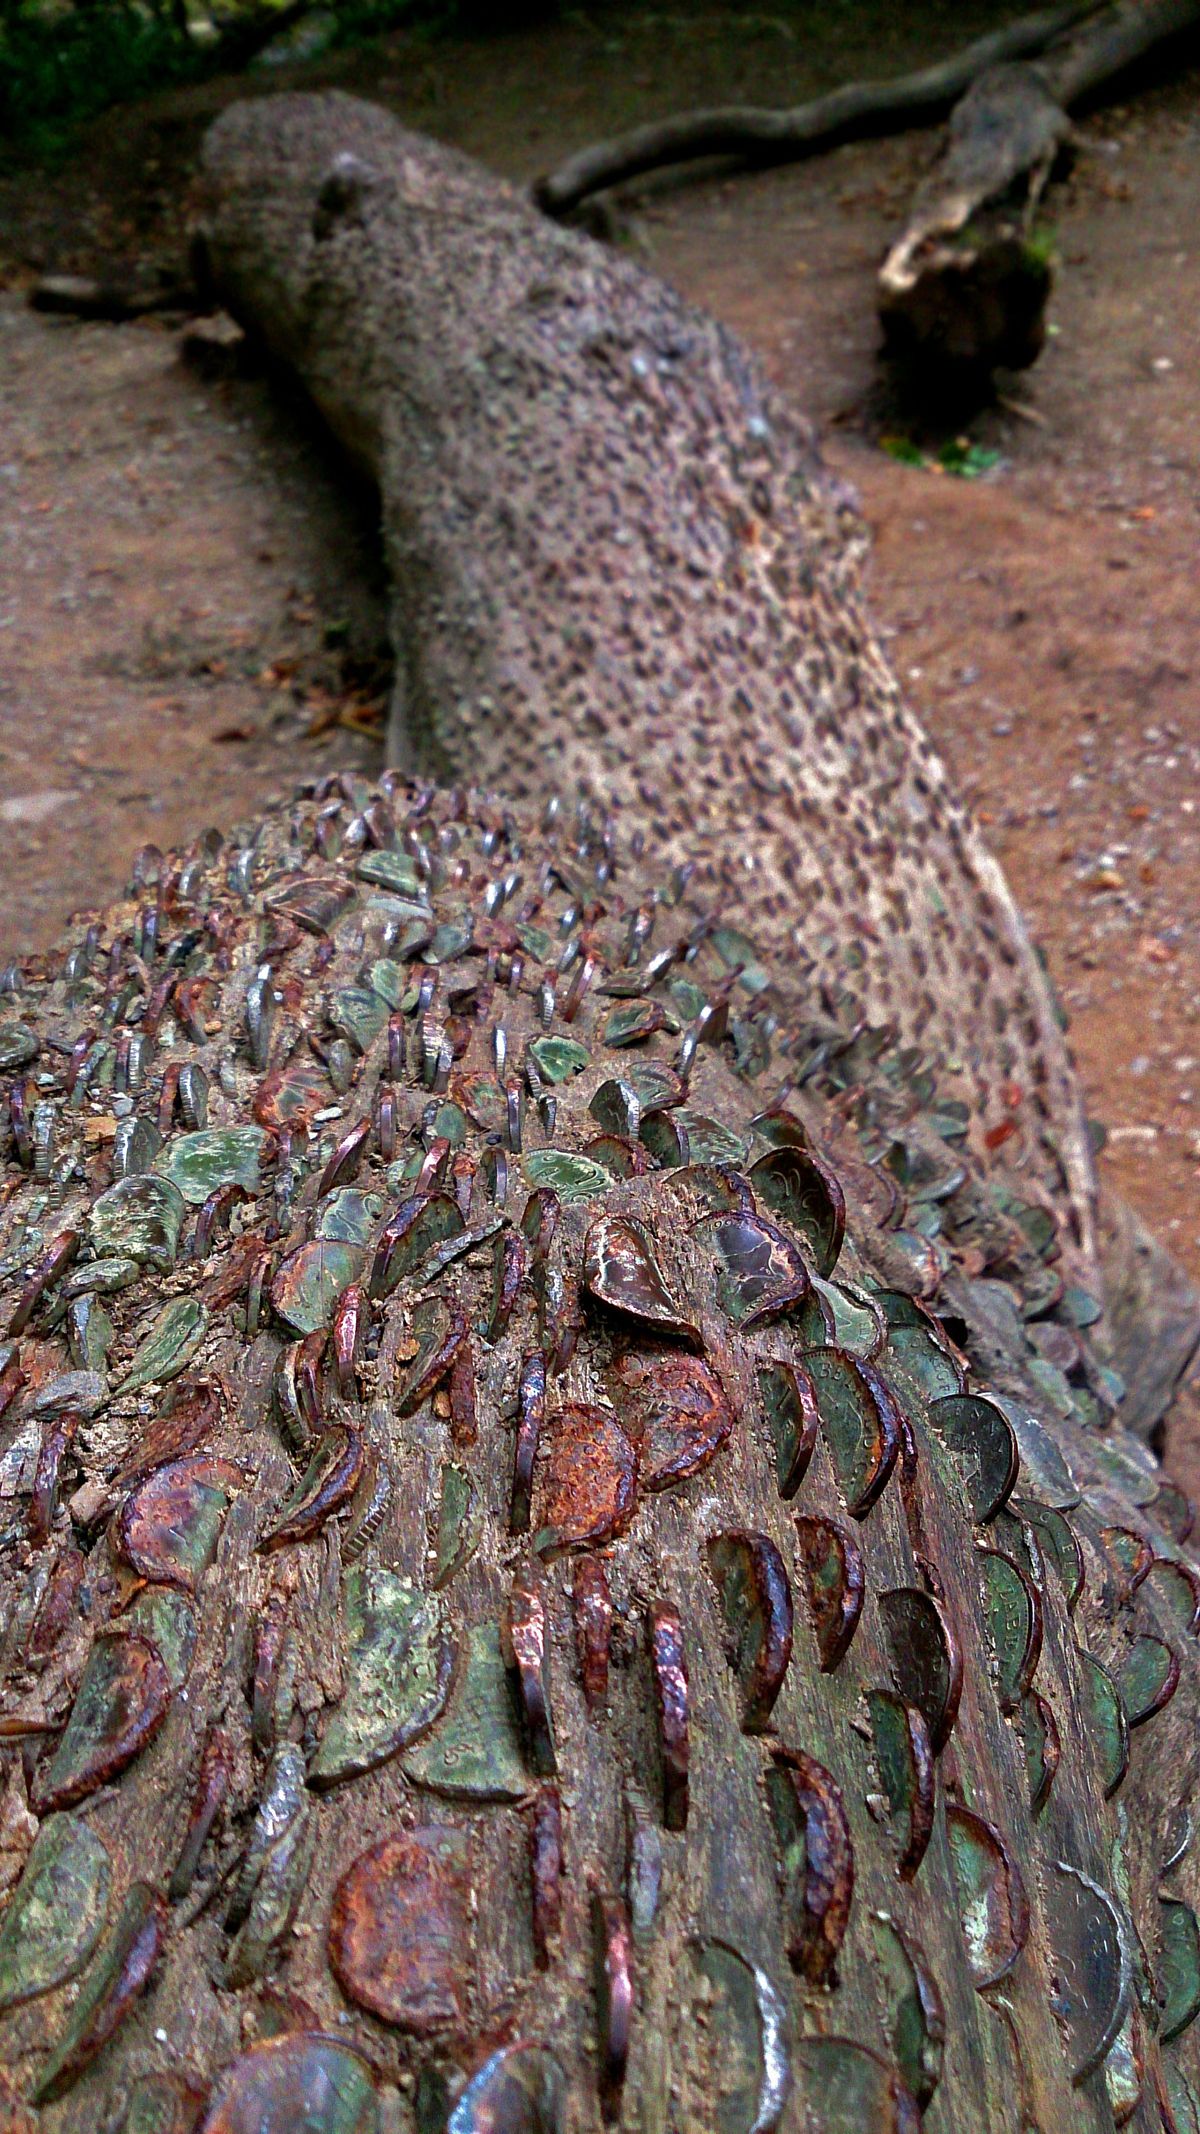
x: 64, y: 61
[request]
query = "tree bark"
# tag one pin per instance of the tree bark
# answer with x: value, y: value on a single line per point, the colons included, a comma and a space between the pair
x: 574, y: 1691
x: 566, y: 452
x: 572, y: 1659
x: 606, y: 531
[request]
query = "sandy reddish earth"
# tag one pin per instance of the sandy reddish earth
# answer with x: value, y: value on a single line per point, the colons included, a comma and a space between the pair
x: 190, y: 611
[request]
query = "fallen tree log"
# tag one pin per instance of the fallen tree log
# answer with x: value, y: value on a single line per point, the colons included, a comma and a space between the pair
x: 617, y: 563
x: 740, y: 1744
x: 608, y: 536
x: 700, y: 1755
x: 759, y: 136
x: 963, y: 289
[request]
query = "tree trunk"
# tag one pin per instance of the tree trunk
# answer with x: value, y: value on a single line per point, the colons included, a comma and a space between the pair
x: 515, y: 1618
x: 611, y: 539
x: 509, y: 1621
x: 606, y: 533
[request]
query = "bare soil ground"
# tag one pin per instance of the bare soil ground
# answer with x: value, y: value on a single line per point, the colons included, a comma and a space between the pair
x: 190, y: 611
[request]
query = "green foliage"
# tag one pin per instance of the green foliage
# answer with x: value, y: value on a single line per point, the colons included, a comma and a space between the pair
x: 968, y: 461
x: 1041, y: 247
x: 60, y: 65
x: 957, y: 456
x: 903, y: 449
x: 63, y: 61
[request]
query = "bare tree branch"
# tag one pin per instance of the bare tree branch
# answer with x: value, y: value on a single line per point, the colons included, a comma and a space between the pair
x: 1120, y: 37
x: 764, y: 136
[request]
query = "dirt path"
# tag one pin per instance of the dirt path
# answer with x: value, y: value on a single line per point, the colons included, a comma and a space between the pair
x: 186, y: 593
x: 173, y: 556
